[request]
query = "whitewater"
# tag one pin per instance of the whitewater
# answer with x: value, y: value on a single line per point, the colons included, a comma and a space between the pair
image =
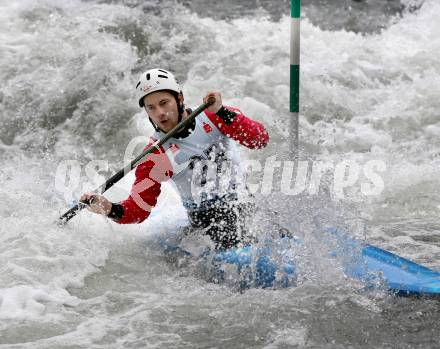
x: 370, y: 80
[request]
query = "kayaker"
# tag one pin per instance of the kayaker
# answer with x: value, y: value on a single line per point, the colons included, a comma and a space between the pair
x: 205, y: 146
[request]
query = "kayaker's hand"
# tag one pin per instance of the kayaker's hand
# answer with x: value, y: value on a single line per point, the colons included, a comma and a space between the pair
x: 97, y: 203
x: 214, y: 108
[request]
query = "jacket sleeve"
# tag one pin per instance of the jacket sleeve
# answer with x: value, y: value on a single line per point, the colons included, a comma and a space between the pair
x: 242, y: 129
x: 155, y: 169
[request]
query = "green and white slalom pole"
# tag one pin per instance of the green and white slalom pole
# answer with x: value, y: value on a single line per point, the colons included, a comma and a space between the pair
x: 294, y: 75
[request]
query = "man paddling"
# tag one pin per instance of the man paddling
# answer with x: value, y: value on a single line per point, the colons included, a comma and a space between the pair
x: 204, y: 152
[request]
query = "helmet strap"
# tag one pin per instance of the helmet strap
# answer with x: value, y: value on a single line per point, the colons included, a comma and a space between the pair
x: 180, y: 106
x: 157, y: 129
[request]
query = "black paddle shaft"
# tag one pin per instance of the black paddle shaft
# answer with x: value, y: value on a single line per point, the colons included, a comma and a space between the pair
x: 122, y: 172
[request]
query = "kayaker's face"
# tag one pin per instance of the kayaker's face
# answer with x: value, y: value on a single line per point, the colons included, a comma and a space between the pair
x: 161, y: 107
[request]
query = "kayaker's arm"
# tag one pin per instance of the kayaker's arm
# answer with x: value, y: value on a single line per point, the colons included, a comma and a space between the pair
x: 154, y: 170
x: 234, y: 124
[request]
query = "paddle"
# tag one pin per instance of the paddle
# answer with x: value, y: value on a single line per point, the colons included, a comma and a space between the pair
x: 121, y: 173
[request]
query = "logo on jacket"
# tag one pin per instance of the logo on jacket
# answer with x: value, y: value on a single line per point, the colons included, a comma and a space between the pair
x: 207, y: 127
x: 174, y: 147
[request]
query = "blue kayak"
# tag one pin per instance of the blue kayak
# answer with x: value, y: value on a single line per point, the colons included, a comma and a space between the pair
x: 272, y: 264
x: 375, y: 266
x: 260, y: 266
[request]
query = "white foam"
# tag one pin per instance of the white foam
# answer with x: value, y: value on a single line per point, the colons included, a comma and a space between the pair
x: 362, y: 97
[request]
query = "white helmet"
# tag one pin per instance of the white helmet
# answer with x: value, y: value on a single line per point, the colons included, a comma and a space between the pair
x: 155, y: 80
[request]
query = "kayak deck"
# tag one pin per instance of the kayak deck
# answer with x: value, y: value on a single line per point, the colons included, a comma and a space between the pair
x: 273, y: 265
x: 375, y: 266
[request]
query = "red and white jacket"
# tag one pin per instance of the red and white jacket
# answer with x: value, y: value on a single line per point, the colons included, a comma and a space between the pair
x: 204, y: 166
